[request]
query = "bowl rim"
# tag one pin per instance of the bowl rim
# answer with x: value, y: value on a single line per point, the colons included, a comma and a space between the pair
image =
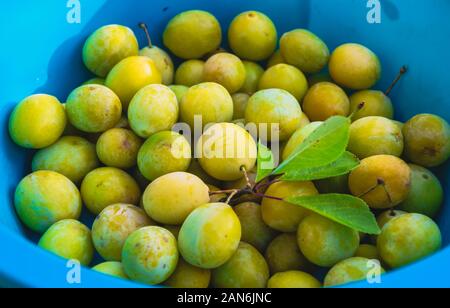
x: 22, y: 251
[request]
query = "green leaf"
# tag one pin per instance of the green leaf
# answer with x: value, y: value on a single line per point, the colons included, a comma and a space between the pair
x: 324, y: 146
x: 343, y: 165
x: 265, y: 162
x: 344, y: 209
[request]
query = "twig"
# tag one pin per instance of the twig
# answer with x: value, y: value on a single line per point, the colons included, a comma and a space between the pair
x: 247, y: 180
x: 403, y: 70
x: 232, y: 195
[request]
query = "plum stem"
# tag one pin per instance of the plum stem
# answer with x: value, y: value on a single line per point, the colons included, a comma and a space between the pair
x: 403, y: 71
x: 247, y: 180
x: 230, y: 197
x: 143, y: 26
x: 358, y: 108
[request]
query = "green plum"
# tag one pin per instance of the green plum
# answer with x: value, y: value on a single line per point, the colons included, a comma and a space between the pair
x: 73, y: 157
x: 192, y: 34
x: 69, y: 239
x: 153, y: 109
x: 427, y: 140
x: 281, y: 215
x: 324, y: 100
x: 276, y: 112
x: 112, y: 227
x: 426, y: 195
x: 210, y: 235
x: 367, y: 251
x: 286, y: 77
x: 240, y: 101
x: 44, y: 198
x: 375, y: 103
x: 163, y: 153
x: 107, y: 46
x: 304, y: 50
x: 209, y: 102
x: 105, y: 186
x: 283, y: 254
x: 179, y: 91
x: 293, y: 280
x: 93, y: 108
x: 253, y: 73
x: 325, y: 242
x: 245, y: 269
x: 355, y: 67
x: 190, y: 73
x: 350, y: 270
x: 382, y: 181
x: 189, y: 276
x: 224, y: 149
x: 150, y: 255
x: 168, y: 206
x: 252, y: 36
x: 373, y: 135
x: 130, y: 75
x: 225, y: 69
x: 408, y: 238
x: 37, y: 121
x: 162, y: 60
x: 118, y: 147
x: 111, y: 268
x: 254, y: 230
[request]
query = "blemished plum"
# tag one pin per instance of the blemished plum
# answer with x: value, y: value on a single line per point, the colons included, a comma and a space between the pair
x: 375, y: 135
x: 350, y: 270
x: 297, y: 139
x: 163, y: 153
x: 187, y: 276
x: 71, y: 156
x: 224, y: 149
x: 168, y: 206
x: 105, y: 186
x: 304, y: 50
x: 130, y: 75
x: 324, y: 100
x: 382, y: 181
x: 408, y: 238
x: 254, y: 231
x: 245, y: 269
x: 93, y: 108
x: 240, y: 101
x: 375, y: 103
x: 153, y: 109
x: 210, y: 235
x: 283, y: 254
x: 111, y: 268
x: 190, y: 73
x: 118, y: 147
x: 192, y: 34
x: 34, y: 115
x: 209, y: 102
x: 112, y: 227
x: 225, y: 69
x: 107, y: 46
x: 69, y: 239
x: 274, y: 110
x: 426, y: 195
x: 427, y: 140
x: 252, y: 36
x: 43, y: 198
x: 293, y: 280
x: 286, y: 77
x: 281, y: 215
x: 253, y: 73
x: 355, y: 67
x: 150, y: 255
x: 325, y: 242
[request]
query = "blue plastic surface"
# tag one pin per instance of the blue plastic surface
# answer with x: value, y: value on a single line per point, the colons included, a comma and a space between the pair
x: 41, y: 53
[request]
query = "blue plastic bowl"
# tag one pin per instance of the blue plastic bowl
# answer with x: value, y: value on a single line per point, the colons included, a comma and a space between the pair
x: 41, y: 53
